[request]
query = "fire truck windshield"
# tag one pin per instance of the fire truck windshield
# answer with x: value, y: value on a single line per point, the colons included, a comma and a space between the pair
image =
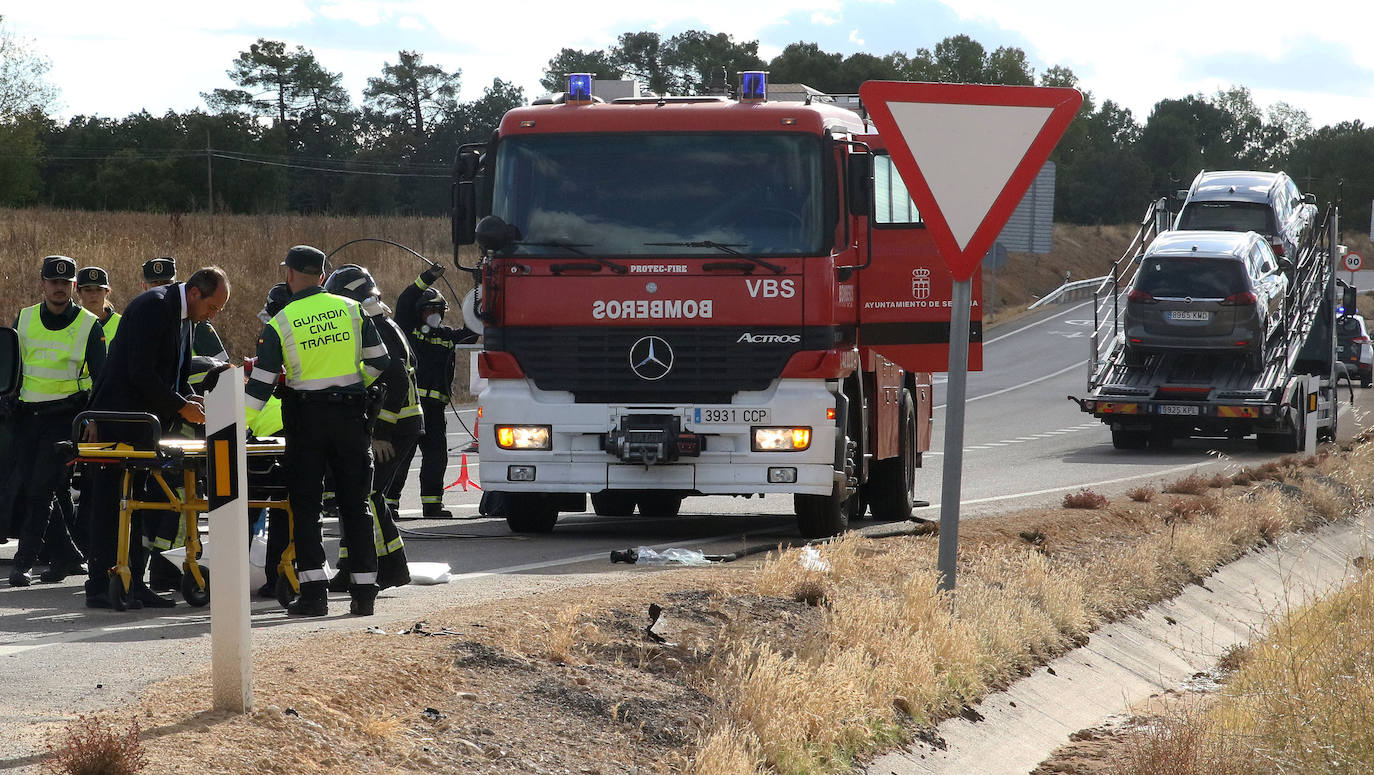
x: 620, y: 194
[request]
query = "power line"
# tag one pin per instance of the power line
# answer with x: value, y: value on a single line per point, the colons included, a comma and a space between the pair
x: 221, y: 155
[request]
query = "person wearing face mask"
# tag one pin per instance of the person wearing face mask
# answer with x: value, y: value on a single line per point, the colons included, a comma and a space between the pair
x: 420, y: 313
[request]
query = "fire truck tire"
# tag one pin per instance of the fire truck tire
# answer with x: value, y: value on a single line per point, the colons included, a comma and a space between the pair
x: 613, y: 503
x: 529, y: 513
x: 659, y: 503
x: 892, y: 482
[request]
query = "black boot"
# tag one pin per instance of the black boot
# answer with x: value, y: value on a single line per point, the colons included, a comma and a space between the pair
x: 436, y: 511
x: 19, y: 577
x: 314, y: 600
x: 393, y: 570
x: 364, y: 599
x: 339, y: 582
x: 61, y: 570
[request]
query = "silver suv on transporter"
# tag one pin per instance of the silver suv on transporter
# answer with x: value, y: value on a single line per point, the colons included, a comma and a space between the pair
x: 1205, y: 291
x: 1268, y: 203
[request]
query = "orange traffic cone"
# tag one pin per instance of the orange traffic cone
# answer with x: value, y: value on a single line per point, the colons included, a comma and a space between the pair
x: 463, y: 478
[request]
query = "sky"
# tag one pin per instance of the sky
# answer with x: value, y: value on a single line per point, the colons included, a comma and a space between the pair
x: 113, y: 59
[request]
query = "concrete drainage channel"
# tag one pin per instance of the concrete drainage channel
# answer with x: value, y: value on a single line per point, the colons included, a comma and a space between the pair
x: 1126, y: 662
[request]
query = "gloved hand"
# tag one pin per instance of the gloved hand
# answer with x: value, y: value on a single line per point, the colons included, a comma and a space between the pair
x: 434, y: 272
x: 383, y: 450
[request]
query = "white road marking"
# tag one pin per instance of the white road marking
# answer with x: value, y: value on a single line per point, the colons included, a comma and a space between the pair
x: 1029, y: 326
x: 1012, y: 496
x: 1026, y: 384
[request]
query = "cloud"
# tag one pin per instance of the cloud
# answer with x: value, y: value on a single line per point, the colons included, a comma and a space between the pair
x: 825, y: 19
x: 854, y: 38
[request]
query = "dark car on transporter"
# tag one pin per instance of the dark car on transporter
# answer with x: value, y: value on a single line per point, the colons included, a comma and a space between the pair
x: 1268, y: 203
x: 1205, y: 291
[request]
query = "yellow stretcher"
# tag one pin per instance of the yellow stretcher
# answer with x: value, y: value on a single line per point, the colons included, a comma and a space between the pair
x: 189, y: 459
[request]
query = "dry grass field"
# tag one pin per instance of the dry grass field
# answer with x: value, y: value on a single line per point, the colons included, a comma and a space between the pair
x: 249, y: 247
x: 775, y: 666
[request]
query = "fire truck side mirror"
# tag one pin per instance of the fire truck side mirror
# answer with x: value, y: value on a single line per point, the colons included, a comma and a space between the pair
x: 465, y: 169
x: 860, y: 184
x: 494, y: 235
x: 464, y: 212
x: 9, y: 361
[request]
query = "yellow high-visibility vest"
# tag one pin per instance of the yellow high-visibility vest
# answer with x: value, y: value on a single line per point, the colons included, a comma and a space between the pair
x: 53, y: 360
x: 321, y: 342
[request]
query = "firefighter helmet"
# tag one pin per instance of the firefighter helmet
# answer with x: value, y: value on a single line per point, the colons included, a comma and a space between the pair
x: 353, y: 282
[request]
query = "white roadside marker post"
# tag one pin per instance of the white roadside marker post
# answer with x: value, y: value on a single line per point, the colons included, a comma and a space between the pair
x: 231, y: 661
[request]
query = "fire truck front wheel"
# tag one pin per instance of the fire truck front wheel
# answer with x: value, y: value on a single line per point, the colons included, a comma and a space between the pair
x: 530, y: 513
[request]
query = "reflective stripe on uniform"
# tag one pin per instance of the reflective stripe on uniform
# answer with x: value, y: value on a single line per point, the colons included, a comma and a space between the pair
x: 314, y: 574
x: 431, y: 499
x: 361, y: 579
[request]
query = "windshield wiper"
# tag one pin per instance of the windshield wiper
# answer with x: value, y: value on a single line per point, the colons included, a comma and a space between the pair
x: 722, y: 247
x: 572, y: 247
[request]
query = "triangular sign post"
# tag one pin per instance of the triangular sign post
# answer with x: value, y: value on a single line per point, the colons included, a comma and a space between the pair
x: 967, y: 154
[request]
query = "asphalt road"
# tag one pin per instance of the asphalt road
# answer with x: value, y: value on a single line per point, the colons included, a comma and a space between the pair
x: 1025, y: 446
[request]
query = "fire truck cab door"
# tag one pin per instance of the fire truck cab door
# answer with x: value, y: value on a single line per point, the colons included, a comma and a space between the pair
x: 904, y: 295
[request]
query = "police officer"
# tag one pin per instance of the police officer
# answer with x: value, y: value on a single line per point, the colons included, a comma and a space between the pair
x: 58, y: 342
x: 398, y: 427
x: 93, y: 286
x: 420, y: 313
x: 330, y: 353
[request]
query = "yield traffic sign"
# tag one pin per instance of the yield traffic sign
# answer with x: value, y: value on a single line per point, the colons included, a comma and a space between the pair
x: 968, y: 153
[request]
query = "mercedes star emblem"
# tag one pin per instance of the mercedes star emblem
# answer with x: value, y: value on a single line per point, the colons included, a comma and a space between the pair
x: 651, y: 358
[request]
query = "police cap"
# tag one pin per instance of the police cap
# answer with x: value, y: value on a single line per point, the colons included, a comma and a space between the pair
x: 93, y: 276
x: 59, y: 268
x: 160, y: 270
x: 305, y: 259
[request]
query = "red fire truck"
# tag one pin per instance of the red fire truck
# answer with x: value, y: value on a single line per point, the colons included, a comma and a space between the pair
x: 700, y: 296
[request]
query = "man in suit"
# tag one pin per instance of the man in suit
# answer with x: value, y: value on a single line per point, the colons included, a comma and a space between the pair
x: 146, y: 371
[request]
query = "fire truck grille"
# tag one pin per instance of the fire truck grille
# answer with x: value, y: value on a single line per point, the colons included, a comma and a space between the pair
x: 703, y: 365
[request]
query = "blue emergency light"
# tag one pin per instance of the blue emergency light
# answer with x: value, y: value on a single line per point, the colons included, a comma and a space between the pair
x: 753, y: 86
x: 1340, y: 310
x: 580, y: 88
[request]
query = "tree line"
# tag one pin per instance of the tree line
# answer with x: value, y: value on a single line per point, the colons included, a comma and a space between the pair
x: 283, y: 135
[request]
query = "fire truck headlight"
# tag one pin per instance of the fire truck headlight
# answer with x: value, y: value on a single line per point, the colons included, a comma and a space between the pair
x: 781, y: 439
x: 524, y: 436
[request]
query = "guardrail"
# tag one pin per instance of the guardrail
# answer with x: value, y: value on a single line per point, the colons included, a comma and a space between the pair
x: 1071, y: 291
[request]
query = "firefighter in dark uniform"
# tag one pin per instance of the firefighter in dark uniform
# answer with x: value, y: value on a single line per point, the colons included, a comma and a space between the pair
x: 398, y: 428
x: 330, y: 353
x: 60, y: 345
x: 420, y: 313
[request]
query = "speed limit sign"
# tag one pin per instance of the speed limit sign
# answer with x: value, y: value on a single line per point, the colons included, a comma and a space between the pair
x: 1353, y: 261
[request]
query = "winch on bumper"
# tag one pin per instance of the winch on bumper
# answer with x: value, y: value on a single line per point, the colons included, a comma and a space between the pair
x: 597, y: 446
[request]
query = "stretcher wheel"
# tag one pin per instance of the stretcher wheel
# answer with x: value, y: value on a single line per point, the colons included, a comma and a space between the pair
x: 119, y: 596
x: 194, y: 595
x: 285, y: 594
